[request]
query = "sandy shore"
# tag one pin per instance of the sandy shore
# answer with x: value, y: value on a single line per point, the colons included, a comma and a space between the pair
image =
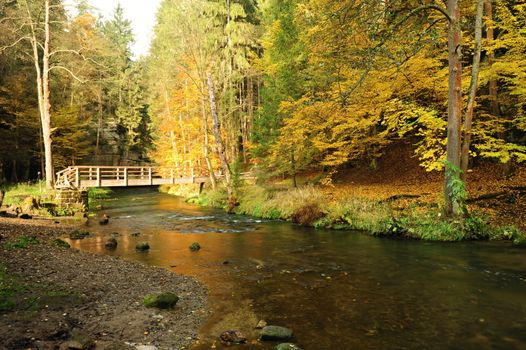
x: 65, y: 295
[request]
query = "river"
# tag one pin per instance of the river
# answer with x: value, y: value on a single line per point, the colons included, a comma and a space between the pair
x: 334, y: 289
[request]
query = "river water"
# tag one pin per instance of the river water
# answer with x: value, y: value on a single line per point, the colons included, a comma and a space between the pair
x: 336, y: 290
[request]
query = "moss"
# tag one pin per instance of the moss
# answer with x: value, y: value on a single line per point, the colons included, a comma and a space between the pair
x: 22, y: 242
x: 195, y: 246
x: 60, y: 244
x: 79, y: 234
x: 161, y: 301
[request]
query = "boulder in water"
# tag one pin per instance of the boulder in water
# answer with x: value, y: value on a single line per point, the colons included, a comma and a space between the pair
x: 232, y: 337
x: 104, y: 219
x: 276, y: 333
x: 111, y: 243
x: 195, y: 246
x: 142, y: 246
x: 78, y: 234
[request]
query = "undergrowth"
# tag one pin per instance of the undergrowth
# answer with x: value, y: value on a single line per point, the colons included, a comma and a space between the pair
x: 308, y: 205
x: 15, y: 194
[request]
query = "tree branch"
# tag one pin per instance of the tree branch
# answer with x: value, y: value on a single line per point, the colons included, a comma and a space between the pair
x: 69, y: 71
x: 3, y: 48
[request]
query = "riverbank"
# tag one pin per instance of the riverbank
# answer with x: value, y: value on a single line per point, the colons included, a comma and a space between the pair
x: 397, y: 199
x: 51, y: 295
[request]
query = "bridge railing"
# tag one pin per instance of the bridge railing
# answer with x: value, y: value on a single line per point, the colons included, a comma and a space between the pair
x: 109, y: 176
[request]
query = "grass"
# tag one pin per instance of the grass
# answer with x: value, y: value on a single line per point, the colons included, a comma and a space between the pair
x: 308, y: 205
x: 96, y: 193
x: 9, y: 288
x: 22, y: 242
x: 15, y: 194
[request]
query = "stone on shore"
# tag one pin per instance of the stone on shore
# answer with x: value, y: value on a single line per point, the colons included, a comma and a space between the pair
x: 276, y: 333
x: 232, y: 337
x: 161, y: 301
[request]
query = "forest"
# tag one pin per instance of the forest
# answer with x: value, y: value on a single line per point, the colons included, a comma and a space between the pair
x: 268, y: 174
x: 298, y: 86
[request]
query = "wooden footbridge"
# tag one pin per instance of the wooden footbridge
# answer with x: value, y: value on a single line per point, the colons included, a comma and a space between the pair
x: 124, y: 176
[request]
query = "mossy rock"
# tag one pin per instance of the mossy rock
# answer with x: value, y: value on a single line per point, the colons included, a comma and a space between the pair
x: 161, y: 301
x: 111, y: 243
x: 142, y: 246
x: 79, y: 234
x: 61, y: 244
x: 195, y: 247
x: 275, y: 333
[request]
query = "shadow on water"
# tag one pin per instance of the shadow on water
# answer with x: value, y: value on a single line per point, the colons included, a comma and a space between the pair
x: 336, y: 290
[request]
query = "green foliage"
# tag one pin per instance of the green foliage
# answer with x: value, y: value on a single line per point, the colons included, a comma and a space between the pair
x: 22, y: 242
x: 15, y: 194
x: 9, y: 288
x: 456, y: 186
x: 99, y: 193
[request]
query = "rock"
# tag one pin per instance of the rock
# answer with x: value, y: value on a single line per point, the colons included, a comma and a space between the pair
x: 261, y: 324
x: 115, y: 234
x: 226, y: 262
x: 104, y: 219
x: 29, y: 204
x: 142, y: 246
x: 194, y: 247
x: 25, y: 216
x: 287, y: 346
x: 115, y: 345
x: 232, y: 337
x: 146, y: 347
x: 60, y: 243
x: 78, y: 234
x: 275, y: 333
x: 111, y: 243
x: 166, y: 300
x: 136, y: 234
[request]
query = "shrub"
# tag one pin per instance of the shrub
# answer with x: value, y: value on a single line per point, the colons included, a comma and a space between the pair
x: 307, y: 214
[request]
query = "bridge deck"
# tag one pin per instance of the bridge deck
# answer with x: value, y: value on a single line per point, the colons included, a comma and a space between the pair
x: 124, y: 176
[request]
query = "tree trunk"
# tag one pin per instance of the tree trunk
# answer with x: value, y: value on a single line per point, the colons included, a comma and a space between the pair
x: 206, y: 145
x: 494, y: 107
x: 99, y: 123
x: 46, y: 104
x: 220, y: 145
x: 452, y: 207
x: 468, y: 119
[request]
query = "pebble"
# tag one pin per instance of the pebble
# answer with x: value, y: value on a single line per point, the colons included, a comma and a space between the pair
x: 146, y: 347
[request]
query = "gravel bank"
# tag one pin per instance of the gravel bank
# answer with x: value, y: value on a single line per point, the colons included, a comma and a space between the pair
x: 69, y: 294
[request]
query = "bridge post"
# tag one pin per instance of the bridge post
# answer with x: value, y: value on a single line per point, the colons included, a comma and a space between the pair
x: 98, y: 177
x: 77, y: 177
x: 150, y: 176
x: 126, y: 177
x: 172, y: 175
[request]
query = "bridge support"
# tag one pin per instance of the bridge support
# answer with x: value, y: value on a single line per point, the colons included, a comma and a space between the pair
x: 72, y: 197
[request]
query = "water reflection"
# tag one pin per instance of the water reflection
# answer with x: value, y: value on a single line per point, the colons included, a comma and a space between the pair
x: 336, y: 290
